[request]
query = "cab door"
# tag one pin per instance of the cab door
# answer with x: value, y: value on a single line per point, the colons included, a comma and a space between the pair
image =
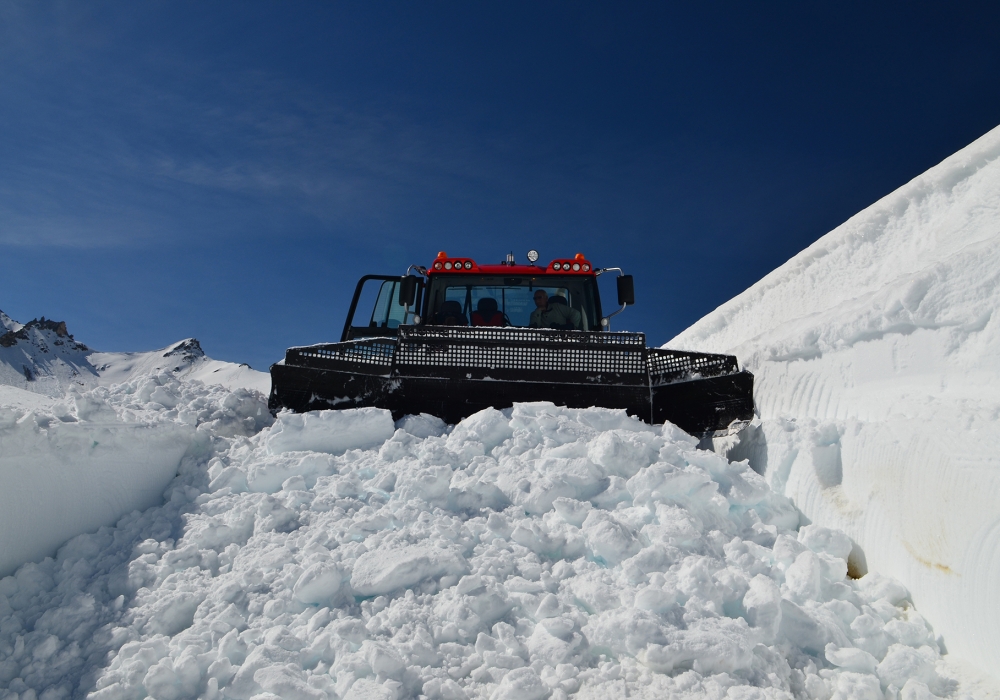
x: 376, y: 309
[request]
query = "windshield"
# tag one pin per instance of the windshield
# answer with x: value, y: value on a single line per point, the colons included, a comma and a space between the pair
x: 544, y: 301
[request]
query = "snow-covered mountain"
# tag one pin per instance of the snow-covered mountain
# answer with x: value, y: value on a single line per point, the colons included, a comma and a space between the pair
x: 42, y: 357
x: 876, y: 353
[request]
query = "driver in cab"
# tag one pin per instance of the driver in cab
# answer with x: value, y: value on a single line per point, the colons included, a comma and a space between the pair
x: 553, y: 313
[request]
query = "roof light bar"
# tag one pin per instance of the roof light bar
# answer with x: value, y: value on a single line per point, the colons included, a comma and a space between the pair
x: 578, y: 264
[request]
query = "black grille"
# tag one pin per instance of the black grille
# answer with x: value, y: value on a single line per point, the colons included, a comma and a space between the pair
x: 368, y: 354
x: 514, y: 354
x: 504, y: 349
x: 535, y: 336
x: 667, y: 366
x: 452, y: 372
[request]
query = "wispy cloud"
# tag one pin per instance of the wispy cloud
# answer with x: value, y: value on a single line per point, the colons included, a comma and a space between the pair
x: 266, y: 137
x: 112, y: 154
x: 117, y: 143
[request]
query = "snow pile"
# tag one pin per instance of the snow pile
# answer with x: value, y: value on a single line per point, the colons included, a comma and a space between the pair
x: 876, y: 353
x: 537, y: 552
x: 42, y: 357
x: 69, y: 466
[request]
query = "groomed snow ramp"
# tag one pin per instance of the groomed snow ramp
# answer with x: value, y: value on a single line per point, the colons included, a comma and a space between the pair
x: 876, y: 353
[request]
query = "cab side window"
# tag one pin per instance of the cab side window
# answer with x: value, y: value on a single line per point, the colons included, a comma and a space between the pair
x: 388, y: 312
x: 375, y: 310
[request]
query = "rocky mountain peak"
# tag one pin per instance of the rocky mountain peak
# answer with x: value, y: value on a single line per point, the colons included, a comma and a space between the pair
x: 188, y: 350
x: 6, y: 322
x: 47, y: 327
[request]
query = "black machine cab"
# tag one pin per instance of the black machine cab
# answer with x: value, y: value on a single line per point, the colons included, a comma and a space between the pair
x: 457, y: 337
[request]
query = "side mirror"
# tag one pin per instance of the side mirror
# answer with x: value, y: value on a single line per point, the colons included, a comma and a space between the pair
x: 626, y: 290
x: 407, y: 290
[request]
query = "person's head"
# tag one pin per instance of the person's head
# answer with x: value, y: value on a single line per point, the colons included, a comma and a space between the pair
x: 541, y: 298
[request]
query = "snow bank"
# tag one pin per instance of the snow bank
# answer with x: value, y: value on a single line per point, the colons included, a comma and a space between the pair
x: 62, y: 479
x: 68, y: 467
x: 14, y: 398
x: 537, y: 552
x: 876, y: 353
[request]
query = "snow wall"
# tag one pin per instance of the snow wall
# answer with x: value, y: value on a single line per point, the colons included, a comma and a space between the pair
x: 69, y: 467
x: 876, y: 353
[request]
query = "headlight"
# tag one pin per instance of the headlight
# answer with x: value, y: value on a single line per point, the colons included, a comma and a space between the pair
x: 556, y: 266
x: 586, y: 267
x: 437, y: 266
x: 468, y: 265
x: 447, y: 266
x: 576, y: 267
x: 532, y: 256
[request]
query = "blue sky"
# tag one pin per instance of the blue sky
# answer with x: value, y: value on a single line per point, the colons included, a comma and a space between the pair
x: 228, y: 170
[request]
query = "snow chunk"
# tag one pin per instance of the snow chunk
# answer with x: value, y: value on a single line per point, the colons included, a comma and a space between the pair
x: 823, y: 539
x: 608, y: 538
x: 422, y: 426
x: 333, y: 432
x: 521, y: 684
x: 318, y: 583
x: 385, y: 570
x: 488, y: 428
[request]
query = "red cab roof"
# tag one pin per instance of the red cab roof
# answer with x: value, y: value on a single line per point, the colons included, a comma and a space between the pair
x: 446, y: 264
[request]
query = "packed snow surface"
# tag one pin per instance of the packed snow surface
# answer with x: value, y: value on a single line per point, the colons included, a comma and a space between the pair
x: 876, y: 353
x: 536, y: 552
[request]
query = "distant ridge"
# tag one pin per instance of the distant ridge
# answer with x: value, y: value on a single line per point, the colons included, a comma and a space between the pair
x: 41, y: 356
